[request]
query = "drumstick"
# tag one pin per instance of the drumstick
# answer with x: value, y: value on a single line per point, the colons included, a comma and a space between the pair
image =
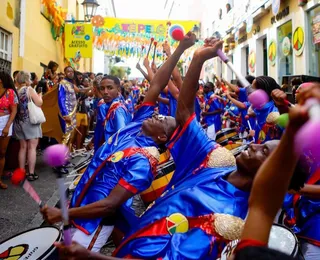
x: 152, y: 39
x: 241, y: 78
x: 56, y: 156
x: 142, y: 48
x: 19, y: 178
x: 249, y: 124
x: 155, y: 49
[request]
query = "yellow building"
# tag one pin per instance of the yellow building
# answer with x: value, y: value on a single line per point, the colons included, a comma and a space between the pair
x: 268, y: 37
x: 26, y: 42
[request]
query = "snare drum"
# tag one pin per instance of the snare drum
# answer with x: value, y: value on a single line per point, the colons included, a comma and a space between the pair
x: 226, y: 134
x: 281, y: 239
x: 36, y: 243
x: 164, y: 175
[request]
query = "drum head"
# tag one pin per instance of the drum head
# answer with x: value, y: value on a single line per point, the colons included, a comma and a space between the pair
x: 281, y: 239
x: 36, y: 243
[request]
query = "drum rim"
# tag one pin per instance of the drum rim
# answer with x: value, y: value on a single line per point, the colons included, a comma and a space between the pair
x: 47, y: 252
x: 226, y: 131
x: 296, y: 247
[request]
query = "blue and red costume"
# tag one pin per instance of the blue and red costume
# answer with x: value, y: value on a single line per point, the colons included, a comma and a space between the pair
x: 116, y: 118
x: 265, y: 131
x: 172, y: 105
x: 179, y: 224
x: 102, y: 110
x: 120, y: 160
x: 163, y: 108
x: 302, y: 212
x: 213, y: 104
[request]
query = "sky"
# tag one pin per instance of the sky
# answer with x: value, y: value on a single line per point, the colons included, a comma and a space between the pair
x: 140, y: 9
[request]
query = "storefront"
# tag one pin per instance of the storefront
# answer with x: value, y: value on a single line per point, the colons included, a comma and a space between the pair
x: 313, y: 44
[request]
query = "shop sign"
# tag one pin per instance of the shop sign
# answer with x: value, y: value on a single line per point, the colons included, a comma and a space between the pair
x: 272, y: 52
x: 316, y: 29
x: 286, y: 46
x: 249, y: 23
x: 298, y: 41
x: 252, y: 61
x: 5, y: 66
x: 281, y: 15
x: 276, y: 6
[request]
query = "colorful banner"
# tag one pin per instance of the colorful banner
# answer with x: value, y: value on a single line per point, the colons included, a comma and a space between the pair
x: 78, y: 40
x: 131, y: 38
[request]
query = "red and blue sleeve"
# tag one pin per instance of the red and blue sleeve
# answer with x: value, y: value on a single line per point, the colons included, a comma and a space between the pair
x: 137, y: 175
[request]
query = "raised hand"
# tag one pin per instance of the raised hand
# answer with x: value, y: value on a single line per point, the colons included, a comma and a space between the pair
x: 146, y: 62
x: 188, y: 41
x: 166, y: 49
x: 279, y: 97
x: 209, y: 49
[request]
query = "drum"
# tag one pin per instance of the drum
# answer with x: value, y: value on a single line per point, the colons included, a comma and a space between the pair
x: 36, y: 243
x: 164, y: 157
x: 226, y: 134
x: 239, y: 149
x: 163, y: 177
x: 281, y: 239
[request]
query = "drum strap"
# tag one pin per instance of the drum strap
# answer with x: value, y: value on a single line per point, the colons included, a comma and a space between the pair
x: 95, y: 237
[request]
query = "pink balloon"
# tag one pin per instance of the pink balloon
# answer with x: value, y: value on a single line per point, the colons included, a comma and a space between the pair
x: 258, y: 98
x: 56, y: 155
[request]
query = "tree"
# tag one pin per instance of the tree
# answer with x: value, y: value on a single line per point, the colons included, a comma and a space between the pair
x: 128, y: 71
x: 118, y: 72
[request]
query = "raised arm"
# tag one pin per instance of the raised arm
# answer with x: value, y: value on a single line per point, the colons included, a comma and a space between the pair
x: 271, y: 183
x: 150, y: 73
x: 162, y: 77
x: 233, y: 87
x: 145, y: 75
x: 190, y: 84
x: 176, y: 73
x: 236, y: 102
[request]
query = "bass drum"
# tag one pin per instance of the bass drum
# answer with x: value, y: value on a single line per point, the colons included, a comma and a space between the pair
x: 281, y: 239
x: 162, y: 179
x: 37, y: 243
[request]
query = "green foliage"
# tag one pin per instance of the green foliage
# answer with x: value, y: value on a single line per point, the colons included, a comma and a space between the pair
x: 118, y: 72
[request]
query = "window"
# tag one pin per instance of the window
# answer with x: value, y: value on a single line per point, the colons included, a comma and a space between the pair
x: 285, y: 55
x: 247, y: 60
x: 5, y: 45
x: 314, y: 44
x: 265, y: 57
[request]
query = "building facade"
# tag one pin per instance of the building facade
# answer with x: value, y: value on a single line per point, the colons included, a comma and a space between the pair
x: 265, y: 37
x: 26, y: 42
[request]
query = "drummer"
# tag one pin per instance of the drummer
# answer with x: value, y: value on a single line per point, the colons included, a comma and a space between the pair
x: 212, y: 111
x: 123, y: 167
x: 268, y: 192
x: 188, y: 210
x: 196, y: 198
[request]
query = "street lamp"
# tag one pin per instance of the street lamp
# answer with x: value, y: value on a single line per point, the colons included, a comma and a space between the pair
x: 90, y: 8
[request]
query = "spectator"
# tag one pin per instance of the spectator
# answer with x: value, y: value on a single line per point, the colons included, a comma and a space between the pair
x: 51, y: 71
x: 8, y: 111
x: 34, y: 79
x: 28, y: 134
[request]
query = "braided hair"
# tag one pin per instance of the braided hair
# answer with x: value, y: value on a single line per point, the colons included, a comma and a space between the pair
x: 267, y: 84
